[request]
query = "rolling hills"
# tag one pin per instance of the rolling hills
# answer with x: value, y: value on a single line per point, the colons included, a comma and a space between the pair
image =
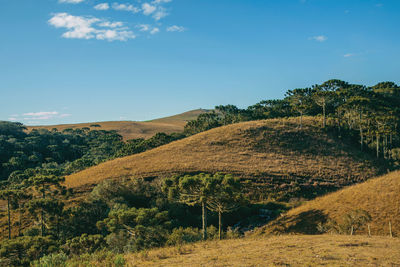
x: 278, y: 157
x: 380, y: 197
x: 133, y: 129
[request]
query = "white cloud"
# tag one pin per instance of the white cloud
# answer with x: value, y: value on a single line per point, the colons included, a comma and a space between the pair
x: 114, y: 35
x: 79, y: 27
x: 155, y: 30
x: 41, y: 115
x: 157, y: 2
x: 148, y: 28
x: 71, y: 1
x: 148, y: 9
x: 143, y: 27
x: 348, y: 55
x: 319, y: 38
x: 176, y: 28
x: 111, y: 24
x: 65, y: 115
x: 125, y: 7
x: 161, y: 13
x: 102, y: 6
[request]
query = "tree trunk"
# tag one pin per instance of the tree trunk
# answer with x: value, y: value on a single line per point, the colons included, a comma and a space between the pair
x: 377, y: 145
x: 20, y: 221
x: 9, y: 217
x: 204, y: 217
x: 324, y: 111
x: 42, y: 213
x: 361, y: 133
x: 219, y: 224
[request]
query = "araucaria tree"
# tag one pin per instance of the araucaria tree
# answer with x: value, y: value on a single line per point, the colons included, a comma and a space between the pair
x: 9, y: 195
x: 225, y: 196
x: 46, y: 186
x: 300, y: 101
x: 192, y: 191
x: 218, y: 193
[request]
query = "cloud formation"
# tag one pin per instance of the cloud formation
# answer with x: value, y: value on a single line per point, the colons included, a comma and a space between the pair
x: 348, y: 55
x: 91, y: 27
x: 79, y: 27
x: 319, y: 38
x: 175, y: 28
x: 37, y: 116
x: 71, y: 1
x: 102, y: 6
x: 126, y: 7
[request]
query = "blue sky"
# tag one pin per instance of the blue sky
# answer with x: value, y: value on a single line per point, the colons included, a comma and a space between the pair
x: 64, y: 61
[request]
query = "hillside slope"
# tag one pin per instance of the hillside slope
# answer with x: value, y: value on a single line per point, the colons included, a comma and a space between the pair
x: 380, y: 197
x: 275, y: 155
x: 324, y: 250
x: 132, y: 129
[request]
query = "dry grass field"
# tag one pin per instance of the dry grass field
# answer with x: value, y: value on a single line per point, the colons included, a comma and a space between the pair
x: 295, y: 250
x: 380, y: 197
x: 132, y: 129
x: 274, y: 154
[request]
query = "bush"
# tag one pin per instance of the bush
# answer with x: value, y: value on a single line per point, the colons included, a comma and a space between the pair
x: 22, y: 250
x: 99, y: 258
x: 84, y: 244
x: 180, y: 236
x: 350, y: 224
x: 232, y: 233
x: 212, y: 232
x: 52, y: 260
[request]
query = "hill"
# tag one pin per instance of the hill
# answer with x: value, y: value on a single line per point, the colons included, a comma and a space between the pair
x: 183, y: 118
x: 325, y: 250
x: 132, y: 129
x: 279, y: 158
x: 380, y: 197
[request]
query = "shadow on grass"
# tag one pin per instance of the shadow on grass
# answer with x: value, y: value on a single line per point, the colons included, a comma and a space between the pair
x: 303, y: 223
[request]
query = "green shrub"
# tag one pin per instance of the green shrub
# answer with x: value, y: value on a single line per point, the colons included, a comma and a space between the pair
x: 180, y: 236
x: 52, y: 260
x: 84, y: 244
x: 232, y: 233
x: 21, y: 251
x: 350, y: 223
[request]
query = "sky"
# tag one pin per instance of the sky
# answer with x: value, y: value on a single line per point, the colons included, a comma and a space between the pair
x: 69, y: 61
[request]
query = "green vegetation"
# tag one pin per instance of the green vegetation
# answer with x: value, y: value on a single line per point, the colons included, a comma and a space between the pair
x: 66, y: 152
x: 369, y: 115
x: 133, y: 215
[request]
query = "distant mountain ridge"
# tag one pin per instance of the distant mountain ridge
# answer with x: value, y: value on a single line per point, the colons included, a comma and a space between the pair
x: 135, y: 129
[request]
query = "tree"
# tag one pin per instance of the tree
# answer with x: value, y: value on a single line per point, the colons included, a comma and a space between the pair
x: 192, y: 191
x: 9, y: 195
x: 133, y: 229
x: 300, y: 101
x: 44, y: 183
x: 323, y: 94
x: 225, y: 196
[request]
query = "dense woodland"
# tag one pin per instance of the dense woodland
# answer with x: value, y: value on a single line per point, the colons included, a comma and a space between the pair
x: 133, y: 215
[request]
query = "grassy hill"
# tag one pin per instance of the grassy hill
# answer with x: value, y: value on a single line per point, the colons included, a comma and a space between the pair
x: 380, y: 197
x: 181, y: 119
x: 275, y: 155
x: 132, y: 129
x: 325, y: 250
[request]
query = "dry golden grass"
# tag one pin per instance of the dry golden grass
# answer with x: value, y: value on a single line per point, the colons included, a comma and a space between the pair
x: 183, y: 118
x: 324, y: 250
x: 132, y: 129
x: 380, y: 197
x: 273, y: 152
